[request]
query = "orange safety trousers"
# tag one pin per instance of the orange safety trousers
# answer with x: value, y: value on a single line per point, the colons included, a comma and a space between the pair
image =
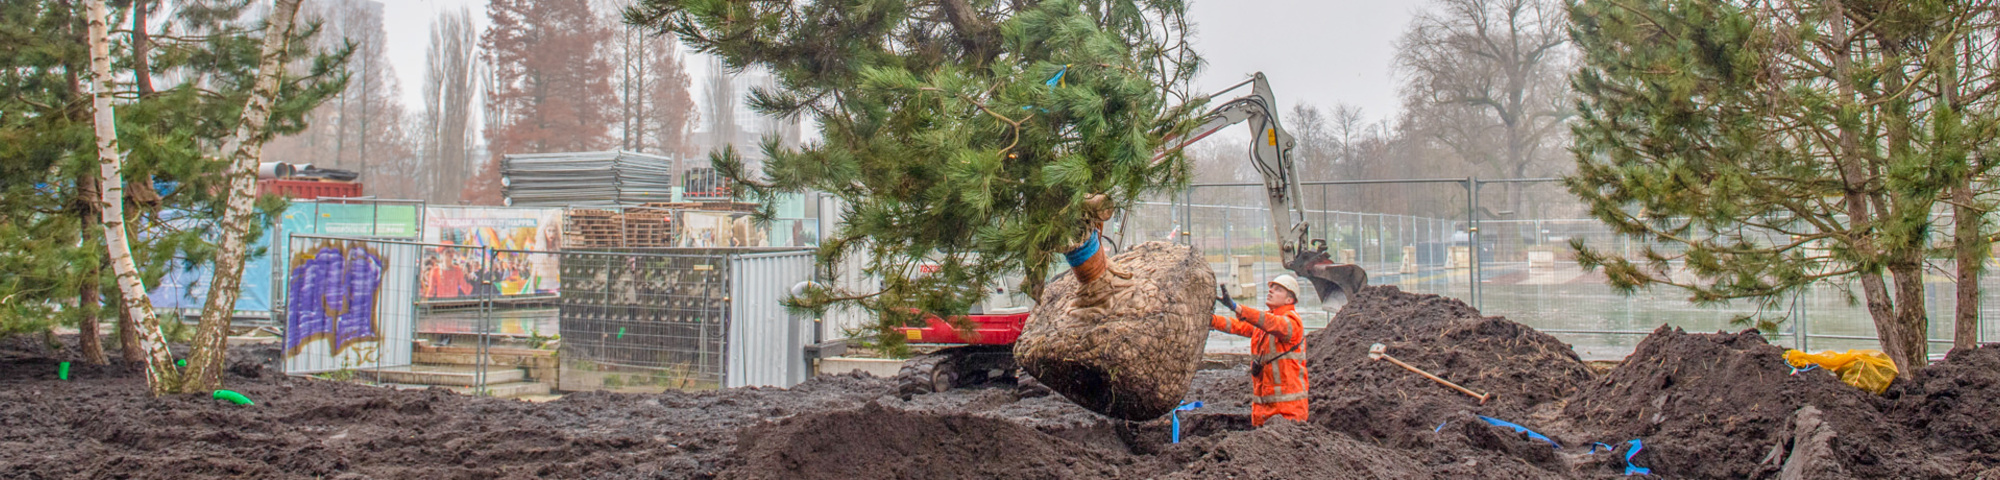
x: 1278, y: 377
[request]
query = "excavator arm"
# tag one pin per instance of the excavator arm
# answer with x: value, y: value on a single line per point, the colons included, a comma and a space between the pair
x: 1271, y: 153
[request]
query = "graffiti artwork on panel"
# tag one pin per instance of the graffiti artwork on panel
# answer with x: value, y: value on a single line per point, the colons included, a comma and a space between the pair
x: 463, y: 270
x: 334, y: 288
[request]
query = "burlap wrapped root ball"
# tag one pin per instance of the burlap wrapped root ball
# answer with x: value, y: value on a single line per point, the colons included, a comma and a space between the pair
x: 1123, y: 347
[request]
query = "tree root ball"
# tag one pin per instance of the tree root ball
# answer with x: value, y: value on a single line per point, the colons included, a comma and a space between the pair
x: 1126, y: 345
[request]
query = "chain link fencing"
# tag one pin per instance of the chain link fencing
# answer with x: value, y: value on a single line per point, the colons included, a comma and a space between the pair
x: 1506, y: 251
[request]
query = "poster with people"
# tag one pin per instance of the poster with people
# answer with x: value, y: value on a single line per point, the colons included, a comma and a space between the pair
x: 490, y: 251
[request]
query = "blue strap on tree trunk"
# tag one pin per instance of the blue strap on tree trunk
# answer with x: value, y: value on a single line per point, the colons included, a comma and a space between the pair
x: 1177, y: 417
x: 1082, y: 254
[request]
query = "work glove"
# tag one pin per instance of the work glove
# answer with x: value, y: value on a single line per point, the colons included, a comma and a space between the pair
x: 1223, y: 298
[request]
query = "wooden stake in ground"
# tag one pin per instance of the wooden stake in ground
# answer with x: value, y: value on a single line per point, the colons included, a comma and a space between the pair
x: 246, y: 149
x: 161, y: 376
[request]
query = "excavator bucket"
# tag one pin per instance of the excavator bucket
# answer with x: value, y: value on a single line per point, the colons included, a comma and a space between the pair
x: 1329, y: 277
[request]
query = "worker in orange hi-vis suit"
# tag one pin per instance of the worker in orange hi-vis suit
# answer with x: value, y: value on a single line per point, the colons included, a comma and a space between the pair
x: 1278, y: 340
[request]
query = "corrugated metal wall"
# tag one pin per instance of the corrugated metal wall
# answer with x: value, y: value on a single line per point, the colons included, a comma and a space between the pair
x: 838, y: 321
x: 766, y: 343
x: 394, y: 315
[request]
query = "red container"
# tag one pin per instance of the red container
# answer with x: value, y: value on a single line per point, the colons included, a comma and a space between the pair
x: 307, y: 189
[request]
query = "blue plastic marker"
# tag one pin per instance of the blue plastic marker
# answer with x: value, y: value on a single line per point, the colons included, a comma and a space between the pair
x: 1177, y: 417
x: 1631, y: 469
x: 1531, y: 433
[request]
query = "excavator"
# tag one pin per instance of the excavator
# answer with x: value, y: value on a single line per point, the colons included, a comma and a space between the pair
x: 984, y: 352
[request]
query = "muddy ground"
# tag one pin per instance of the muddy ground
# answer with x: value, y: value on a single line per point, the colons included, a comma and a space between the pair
x: 1718, y: 405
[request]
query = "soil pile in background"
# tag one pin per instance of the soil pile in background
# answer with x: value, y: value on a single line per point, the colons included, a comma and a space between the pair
x: 878, y: 442
x: 1527, y: 373
x: 1727, y: 406
x: 1954, y: 403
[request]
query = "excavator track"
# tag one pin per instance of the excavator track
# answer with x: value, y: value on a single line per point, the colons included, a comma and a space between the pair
x: 964, y: 367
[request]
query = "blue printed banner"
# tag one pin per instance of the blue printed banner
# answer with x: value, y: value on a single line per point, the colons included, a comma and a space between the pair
x: 334, y: 288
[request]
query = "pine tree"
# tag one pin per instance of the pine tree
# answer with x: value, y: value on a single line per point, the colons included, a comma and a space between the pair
x: 53, y: 246
x: 1778, y: 146
x: 967, y: 133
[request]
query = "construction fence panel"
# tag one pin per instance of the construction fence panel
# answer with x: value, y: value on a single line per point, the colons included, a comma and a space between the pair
x: 769, y: 341
x: 647, y: 320
x: 350, y: 304
x: 643, y: 322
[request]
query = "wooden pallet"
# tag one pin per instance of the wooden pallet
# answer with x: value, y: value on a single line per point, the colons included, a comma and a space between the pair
x: 648, y: 229
x: 591, y: 228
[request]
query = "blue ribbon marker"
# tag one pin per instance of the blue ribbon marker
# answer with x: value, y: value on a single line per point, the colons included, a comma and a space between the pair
x: 1808, y: 368
x: 1058, y: 79
x: 1517, y: 428
x: 1594, y: 446
x: 1631, y: 469
x: 1440, y: 427
x: 1177, y: 417
x: 1083, y: 253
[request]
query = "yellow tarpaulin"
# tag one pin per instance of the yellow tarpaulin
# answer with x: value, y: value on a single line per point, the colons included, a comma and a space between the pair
x: 1869, y: 370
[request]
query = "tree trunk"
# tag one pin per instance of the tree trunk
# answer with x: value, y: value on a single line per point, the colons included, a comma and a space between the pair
x: 246, y: 148
x: 142, y: 66
x: 1967, y: 249
x: 1907, y: 338
x: 161, y: 376
x: 89, y: 292
x: 128, y: 336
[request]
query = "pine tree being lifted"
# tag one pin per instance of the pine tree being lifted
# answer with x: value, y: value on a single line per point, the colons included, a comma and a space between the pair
x: 964, y: 133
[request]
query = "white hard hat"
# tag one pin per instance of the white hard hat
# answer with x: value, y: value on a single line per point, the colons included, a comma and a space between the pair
x: 1290, y: 283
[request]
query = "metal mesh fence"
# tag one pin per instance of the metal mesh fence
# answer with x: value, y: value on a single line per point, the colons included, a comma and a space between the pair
x: 1514, y: 260
x: 521, y: 322
x: 648, y: 322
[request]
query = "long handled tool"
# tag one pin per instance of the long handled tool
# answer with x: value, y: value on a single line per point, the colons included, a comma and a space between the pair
x: 1380, y: 352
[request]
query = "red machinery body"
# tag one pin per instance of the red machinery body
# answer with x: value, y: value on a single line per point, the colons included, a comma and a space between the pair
x: 986, y: 330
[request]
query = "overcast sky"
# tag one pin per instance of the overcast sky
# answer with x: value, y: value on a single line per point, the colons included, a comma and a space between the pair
x: 1322, y: 52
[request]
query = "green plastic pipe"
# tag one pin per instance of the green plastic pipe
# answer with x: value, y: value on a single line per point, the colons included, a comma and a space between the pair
x: 233, y: 397
x: 62, y: 371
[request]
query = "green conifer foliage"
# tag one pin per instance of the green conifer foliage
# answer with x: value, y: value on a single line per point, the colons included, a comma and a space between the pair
x: 968, y: 133
x: 1759, y: 148
x: 202, y: 59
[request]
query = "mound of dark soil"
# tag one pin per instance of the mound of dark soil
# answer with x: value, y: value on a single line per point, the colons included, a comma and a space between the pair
x: 1375, y: 400
x: 103, y: 424
x: 878, y: 442
x: 1727, y: 406
x: 1954, y: 403
x: 1287, y: 449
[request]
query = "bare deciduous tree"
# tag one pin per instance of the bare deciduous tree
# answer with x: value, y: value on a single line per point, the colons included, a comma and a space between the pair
x: 1486, y: 79
x: 450, y: 88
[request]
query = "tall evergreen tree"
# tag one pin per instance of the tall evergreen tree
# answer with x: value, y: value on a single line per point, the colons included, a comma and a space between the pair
x: 204, y: 54
x: 1778, y: 145
x: 968, y: 133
